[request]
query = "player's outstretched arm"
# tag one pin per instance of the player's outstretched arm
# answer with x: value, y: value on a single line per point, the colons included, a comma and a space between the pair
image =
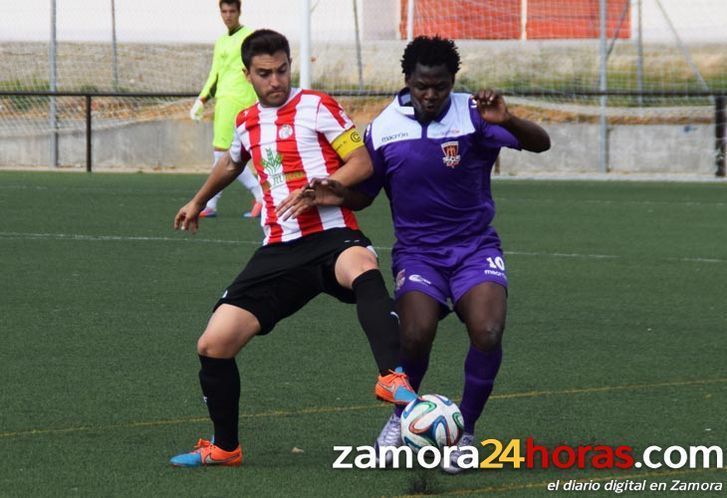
x: 208, y: 91
x: 330, y: 191
x: 224, y: 173
x: 321, y: 192
x: 356, y: 168
x: 345, y: 196
x: 493, y: 109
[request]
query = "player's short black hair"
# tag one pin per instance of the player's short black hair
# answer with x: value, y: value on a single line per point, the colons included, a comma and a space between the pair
x: 232, y: 2
x: 263, y: 41
x: 430, y: 51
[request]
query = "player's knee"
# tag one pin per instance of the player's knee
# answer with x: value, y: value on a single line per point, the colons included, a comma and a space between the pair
x: 366, y: 262
x: 416, y: 340
x: 486, y: 336
x: 353, y: 263
x: 204, y: 346
x: 211, y: 348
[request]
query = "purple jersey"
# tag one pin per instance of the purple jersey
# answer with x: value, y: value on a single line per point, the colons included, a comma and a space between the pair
x: 436, y: 175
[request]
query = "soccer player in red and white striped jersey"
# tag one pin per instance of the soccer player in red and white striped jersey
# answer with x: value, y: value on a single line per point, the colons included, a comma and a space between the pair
x: 290, y: 144
x: 292, y: 137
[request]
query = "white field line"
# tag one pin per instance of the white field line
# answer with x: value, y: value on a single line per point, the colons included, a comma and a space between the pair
x: 670, y: 203
x: 322, y: 410
x: 194, y: 239
x: 122, y: 238
x: 613, y: 202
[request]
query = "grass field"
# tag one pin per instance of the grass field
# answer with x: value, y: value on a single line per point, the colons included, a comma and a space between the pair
x: 617, y: 334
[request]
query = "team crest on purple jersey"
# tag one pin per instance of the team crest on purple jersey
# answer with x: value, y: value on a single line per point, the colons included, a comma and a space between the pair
x: 451, y: 153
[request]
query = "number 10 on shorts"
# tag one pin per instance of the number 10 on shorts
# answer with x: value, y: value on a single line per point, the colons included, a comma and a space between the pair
x: 496, y: 263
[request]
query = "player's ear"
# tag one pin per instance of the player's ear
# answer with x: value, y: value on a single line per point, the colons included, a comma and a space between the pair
x: 246, y: 73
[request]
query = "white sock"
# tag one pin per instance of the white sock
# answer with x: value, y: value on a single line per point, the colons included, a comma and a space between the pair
x: 212, y: 203
x: 249, y: 180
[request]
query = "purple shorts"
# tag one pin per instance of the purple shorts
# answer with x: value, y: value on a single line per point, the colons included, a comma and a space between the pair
x: 447, y: 273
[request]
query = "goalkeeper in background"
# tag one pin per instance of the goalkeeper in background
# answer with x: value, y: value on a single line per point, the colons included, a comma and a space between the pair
x: 232, y: 92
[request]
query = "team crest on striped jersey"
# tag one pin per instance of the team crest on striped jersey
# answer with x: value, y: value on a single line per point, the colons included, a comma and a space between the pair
x: 273, y: 166
x: 285, y: 131
x: 451, y: 154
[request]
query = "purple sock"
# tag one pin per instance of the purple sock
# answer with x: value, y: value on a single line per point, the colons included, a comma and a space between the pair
x: 480, y: 370
x: 415, y: 369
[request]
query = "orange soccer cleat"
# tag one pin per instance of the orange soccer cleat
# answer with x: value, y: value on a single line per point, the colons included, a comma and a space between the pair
x: 208, y: 213
x: 255, y: 211
x: 206, y: 453
x: 395, y: 388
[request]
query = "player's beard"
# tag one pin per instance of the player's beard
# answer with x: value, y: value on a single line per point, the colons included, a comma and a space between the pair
x: 278, y: 98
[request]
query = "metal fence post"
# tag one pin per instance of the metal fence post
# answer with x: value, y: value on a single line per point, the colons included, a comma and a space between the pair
x: 89, y: 155
x: 719, y: 135
x: 53, y: 87
x: 603, y: 87
x: 305, y: 50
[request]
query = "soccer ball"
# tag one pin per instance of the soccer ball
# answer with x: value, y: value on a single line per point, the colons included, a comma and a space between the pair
x: 431, y: 420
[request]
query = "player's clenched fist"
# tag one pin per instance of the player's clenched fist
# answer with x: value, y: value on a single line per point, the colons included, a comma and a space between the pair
x: 491, y: 106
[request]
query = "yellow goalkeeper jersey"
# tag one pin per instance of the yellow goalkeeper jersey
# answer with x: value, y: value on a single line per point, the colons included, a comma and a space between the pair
x: 226, y: 78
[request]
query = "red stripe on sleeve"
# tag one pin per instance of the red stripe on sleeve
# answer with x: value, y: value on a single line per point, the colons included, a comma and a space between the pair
x: 240, y: 118
x: 333, y: 107
x: 244, y: 153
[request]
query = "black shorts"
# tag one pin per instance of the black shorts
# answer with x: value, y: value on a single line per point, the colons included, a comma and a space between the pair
x: 281, y: 278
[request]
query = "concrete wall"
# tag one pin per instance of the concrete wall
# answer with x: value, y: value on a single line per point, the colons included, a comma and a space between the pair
x: 659, y: 147
x: 181, y: 144
x: 648, y: 149
x: 147, y: 145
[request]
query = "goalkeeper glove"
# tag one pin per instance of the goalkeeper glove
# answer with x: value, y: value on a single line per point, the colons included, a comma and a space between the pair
x: 197, y: 109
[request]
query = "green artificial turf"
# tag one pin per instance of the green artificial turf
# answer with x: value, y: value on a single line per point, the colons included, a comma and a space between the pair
x: 616, y: 334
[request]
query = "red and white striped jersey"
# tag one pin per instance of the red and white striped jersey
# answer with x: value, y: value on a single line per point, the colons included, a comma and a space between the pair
x: 290, y: 145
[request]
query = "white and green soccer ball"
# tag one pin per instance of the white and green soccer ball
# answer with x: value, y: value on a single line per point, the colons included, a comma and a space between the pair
x: 431, y: 420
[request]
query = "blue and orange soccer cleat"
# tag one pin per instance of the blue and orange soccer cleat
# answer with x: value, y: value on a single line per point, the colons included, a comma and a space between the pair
x: 395, y: 388
x: 206, y: 453
x: 208, y: 213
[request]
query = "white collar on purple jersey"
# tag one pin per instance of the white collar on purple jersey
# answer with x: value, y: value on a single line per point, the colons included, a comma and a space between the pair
x: 402, y: 103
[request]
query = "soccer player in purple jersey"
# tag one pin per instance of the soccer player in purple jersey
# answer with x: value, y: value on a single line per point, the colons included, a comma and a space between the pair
x: 433, y: 152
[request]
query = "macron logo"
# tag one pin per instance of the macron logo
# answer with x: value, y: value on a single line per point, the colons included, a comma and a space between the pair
x: 395, y: 136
